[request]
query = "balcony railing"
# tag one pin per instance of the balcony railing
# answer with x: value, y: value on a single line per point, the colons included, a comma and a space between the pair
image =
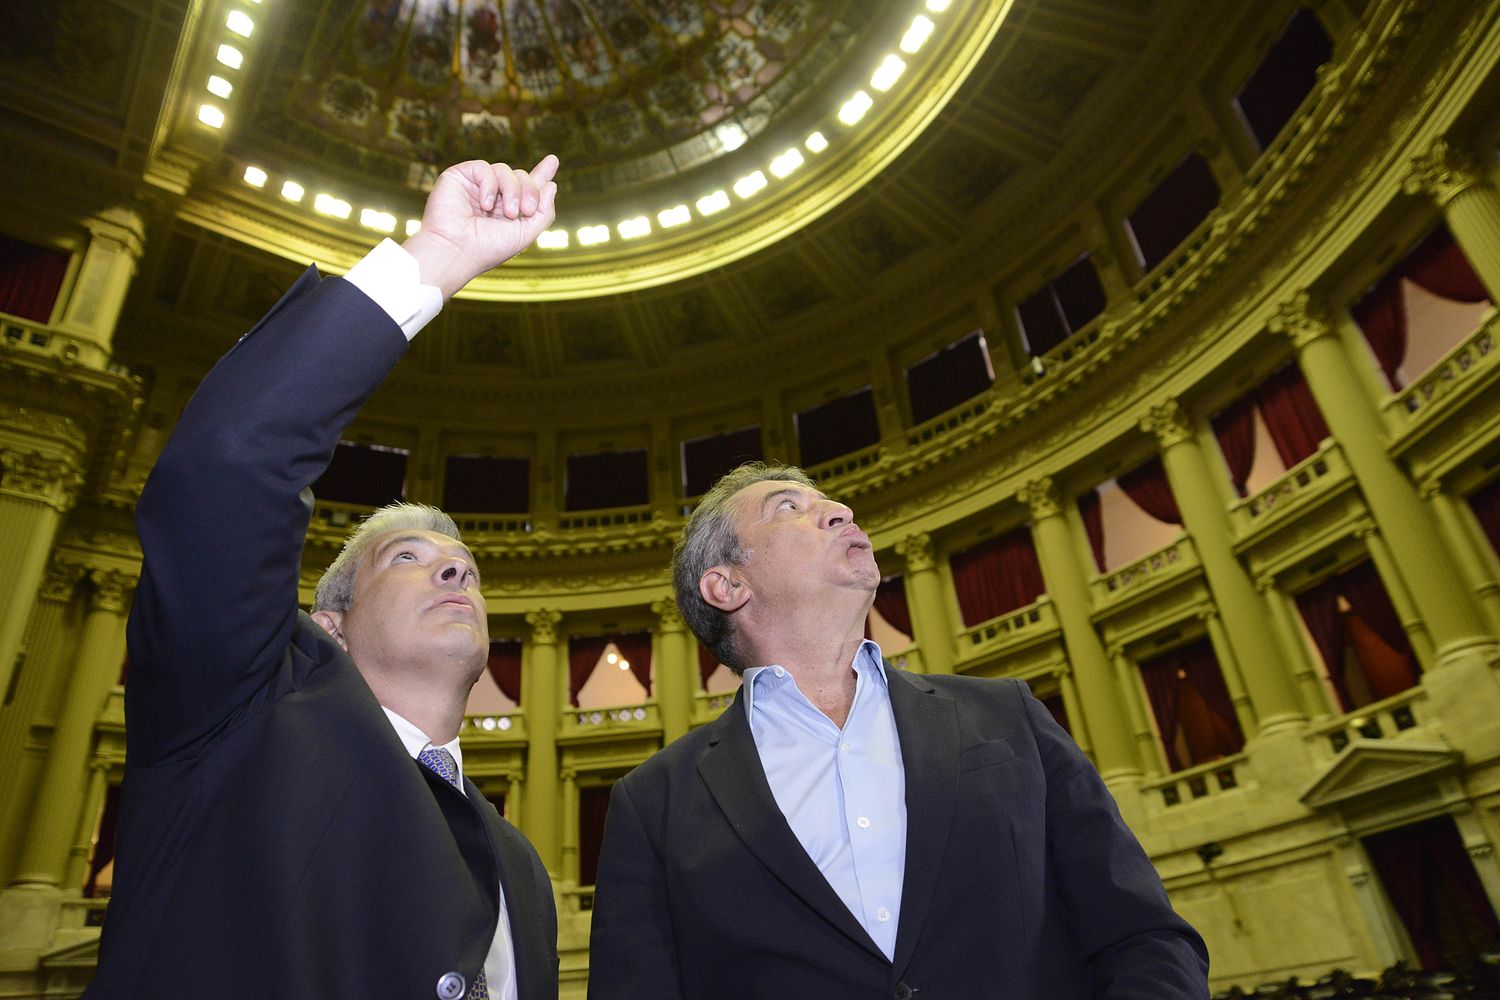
x: 617, y: 720
x: 709, y: 705
x: 40, y: 339
x: 508, y: 727
x: 844, y: 464
x: 1159, y: 565
x: 1198, y: 782
x: 613, y: 517
x: 1034, y: 619
x: 1315, y: 474
x: 1380, y: 720
x: 946, y: 423
x: 1458, y: 368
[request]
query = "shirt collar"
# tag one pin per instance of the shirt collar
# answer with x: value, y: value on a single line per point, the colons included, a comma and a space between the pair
x: 415, y: 741
x: 762, y: 681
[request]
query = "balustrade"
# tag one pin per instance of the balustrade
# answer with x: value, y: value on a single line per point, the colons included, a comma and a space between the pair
x: 1201, y: 781
x: 1171, y: 560
x: 1315, y: 475
x: 1034, y: 619
x: 1459, y: 368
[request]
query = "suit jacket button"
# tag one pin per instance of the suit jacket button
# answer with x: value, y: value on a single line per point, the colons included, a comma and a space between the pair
x: 901, y: 992
x: 450, y: 986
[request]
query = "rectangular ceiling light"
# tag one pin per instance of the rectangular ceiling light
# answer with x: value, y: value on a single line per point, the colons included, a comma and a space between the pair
x: 634, y: 228
x: 255, y: 177
x: 211, y: 116
x: 413, y: 226
x: 938, y: 6
x: 675, y: 216
x: 372, y: 218
x: 327, y: 204
x: 855, y: 107
x: 230, y: 56
x: 292, y: 191
x: 750, y: 184
x: 590, y: 235
x: 787, y: 162
x: 220, y: 87
x: 887, y: 73
x: 816, y: 142
x: 921, y: 28
x: 711, y: 203
x: 553, y: 239
x: 239, y: 22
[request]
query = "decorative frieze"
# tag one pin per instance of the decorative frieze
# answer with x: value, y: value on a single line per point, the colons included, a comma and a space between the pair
x: 1443, y: 172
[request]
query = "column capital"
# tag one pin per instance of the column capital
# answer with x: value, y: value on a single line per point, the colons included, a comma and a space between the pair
x: 30, y: 475
x: 1443, y: 172
x: 1430, y: 487
x: 1116, y: 651
x: 1041, y: 496
x: 112, y: 590
x: 544, y: 624
x: 1302, y: 319
x: 1169, y: 423
x: 1207, y: 615
x: 668, y: 617
x: 60, y: 581
x: 120, y: 225
x: 916, y: 550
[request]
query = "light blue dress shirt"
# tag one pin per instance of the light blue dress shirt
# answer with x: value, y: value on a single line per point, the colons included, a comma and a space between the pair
x: 843, y: 792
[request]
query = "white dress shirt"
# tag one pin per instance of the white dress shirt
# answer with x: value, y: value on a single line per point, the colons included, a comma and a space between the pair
x: 842, y: 791
x: 391, y: 278
x: 500, y: 963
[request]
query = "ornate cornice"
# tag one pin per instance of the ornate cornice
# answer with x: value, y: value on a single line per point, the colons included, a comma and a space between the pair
x: 1443, y: 172
x: 543, y: 624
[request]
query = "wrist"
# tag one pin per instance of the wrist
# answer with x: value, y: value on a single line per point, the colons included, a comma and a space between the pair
x: 440, y: 262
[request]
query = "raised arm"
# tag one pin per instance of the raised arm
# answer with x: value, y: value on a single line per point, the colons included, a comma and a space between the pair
x: 223, y: 516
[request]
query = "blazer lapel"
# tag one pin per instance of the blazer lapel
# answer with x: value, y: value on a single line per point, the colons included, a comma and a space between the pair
x: 927, y: 724
x: 732, y: 770
x: 520, y: 900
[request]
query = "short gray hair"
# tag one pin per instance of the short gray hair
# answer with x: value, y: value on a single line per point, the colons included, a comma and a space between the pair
x: 336, y: 586
x: 710, y: 540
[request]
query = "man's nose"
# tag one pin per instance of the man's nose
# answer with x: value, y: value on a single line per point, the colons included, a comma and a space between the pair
x: 451, y: 571
x: 834, y: 514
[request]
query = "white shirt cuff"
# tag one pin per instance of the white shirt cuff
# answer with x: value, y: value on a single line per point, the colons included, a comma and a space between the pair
x: 393, y: 281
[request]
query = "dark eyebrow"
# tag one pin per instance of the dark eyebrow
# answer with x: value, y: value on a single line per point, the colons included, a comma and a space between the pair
x: 429, y: 543
x: 795, y: 492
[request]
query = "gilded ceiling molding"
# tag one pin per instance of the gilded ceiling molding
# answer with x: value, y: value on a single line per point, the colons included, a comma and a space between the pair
x: 1443, y: 172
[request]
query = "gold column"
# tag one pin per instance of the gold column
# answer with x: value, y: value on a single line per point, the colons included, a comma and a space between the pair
x: 1310, y: 686
x: 1455, y: 179
x: 101, y: 651
x: 676, y: 675
x: 1244, y: 620
x: 116, y: 242
x: 1395, y: 588
x: 1466, y: 539
x: 88, y: 822
x: 570, y: 826
x: 37, y: 486
x: 1147, y: 747
x: 1405, y: 522
x: 929, y: 611
x: 1099, y: 693
x: 541, y: 689
x: 1077, y: 724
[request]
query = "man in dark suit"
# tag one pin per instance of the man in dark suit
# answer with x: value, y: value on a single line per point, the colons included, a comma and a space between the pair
x: 294, y: 820
x: 848, y: 830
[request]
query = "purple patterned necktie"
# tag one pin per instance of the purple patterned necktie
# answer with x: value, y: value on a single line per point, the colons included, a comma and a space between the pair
x: 441, y: 763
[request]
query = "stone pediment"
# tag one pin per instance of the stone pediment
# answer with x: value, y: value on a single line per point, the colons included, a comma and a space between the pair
x: 81, y: 955
x: 1370, y: 768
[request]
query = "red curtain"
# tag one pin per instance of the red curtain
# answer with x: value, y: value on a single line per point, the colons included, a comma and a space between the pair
x: 996, y: 577
x: 1093, y: 524
x: 707, y: 664
x: 1188, y: 696
x: 1438, y: 266
x: 1382, y: 316
x: 505, y: 667
x: 30, y: 278
x: 583, y: 655
x: 593, y: 805
x: 1235, y: 430
x: 1486, y: 506
x: 890, y: 601
x: 1320, y: 611
x: 636, y: 648
x: 1147, y: 485
x: 1293, y: 420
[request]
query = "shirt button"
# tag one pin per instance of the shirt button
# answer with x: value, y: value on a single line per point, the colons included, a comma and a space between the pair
x: 882, y: 914
x: 778, y: 671
x: 844, y: 746
x: 864, y: 822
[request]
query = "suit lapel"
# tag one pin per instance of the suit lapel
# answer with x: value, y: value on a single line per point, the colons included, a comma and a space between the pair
x: 520, y: 901
x: 732, y: 770
x: 927, y: 724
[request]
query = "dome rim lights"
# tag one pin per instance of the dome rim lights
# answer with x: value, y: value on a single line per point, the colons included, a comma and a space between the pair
x: 594, y: 235
x: 240, y: 23
x: 916, y: 36
x: 230, y: 56
x: 255, y: 177
x: 211, y: 115
x: 713, y: 202
x: 293, y: 192
x: 634, y: 227
x: 327, y: 204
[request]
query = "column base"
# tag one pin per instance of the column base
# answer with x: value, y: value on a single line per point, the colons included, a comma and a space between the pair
x: 1285, y: 722
x: 29, y: 918
x: 1464, y: 692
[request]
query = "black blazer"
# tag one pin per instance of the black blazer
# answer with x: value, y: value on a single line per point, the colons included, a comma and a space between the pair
x: 275, y: 839
x: 1021, y: 882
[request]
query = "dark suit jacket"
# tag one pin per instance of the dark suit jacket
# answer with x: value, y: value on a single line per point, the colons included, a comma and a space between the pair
x: 1021, y: 882
x: 275, y: 839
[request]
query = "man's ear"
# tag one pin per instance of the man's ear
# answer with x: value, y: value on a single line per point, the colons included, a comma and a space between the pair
x: 333, y: 624
x: 722, y: 587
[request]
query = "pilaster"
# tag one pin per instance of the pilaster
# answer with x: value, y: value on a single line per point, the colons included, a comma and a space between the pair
x: 541, y: 688
x: 1455, y: 179
x: 930, y: 619
x: 675, y: 672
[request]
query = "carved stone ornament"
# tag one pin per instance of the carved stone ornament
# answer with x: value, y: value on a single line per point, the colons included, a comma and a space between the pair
x: 1041, y: 496
x: 1169, y: 423
x: 668, y: 618
x: 1443, y: 173
x: 917, y: 551
x: 544, y: 626
x: 33, y: 476
x: 60, y: 581
x: 1302, y: 319
x: 112, y: 590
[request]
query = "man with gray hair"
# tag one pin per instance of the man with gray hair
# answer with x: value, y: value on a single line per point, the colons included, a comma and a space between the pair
x: 849, y: 830
x: 295, y: 819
